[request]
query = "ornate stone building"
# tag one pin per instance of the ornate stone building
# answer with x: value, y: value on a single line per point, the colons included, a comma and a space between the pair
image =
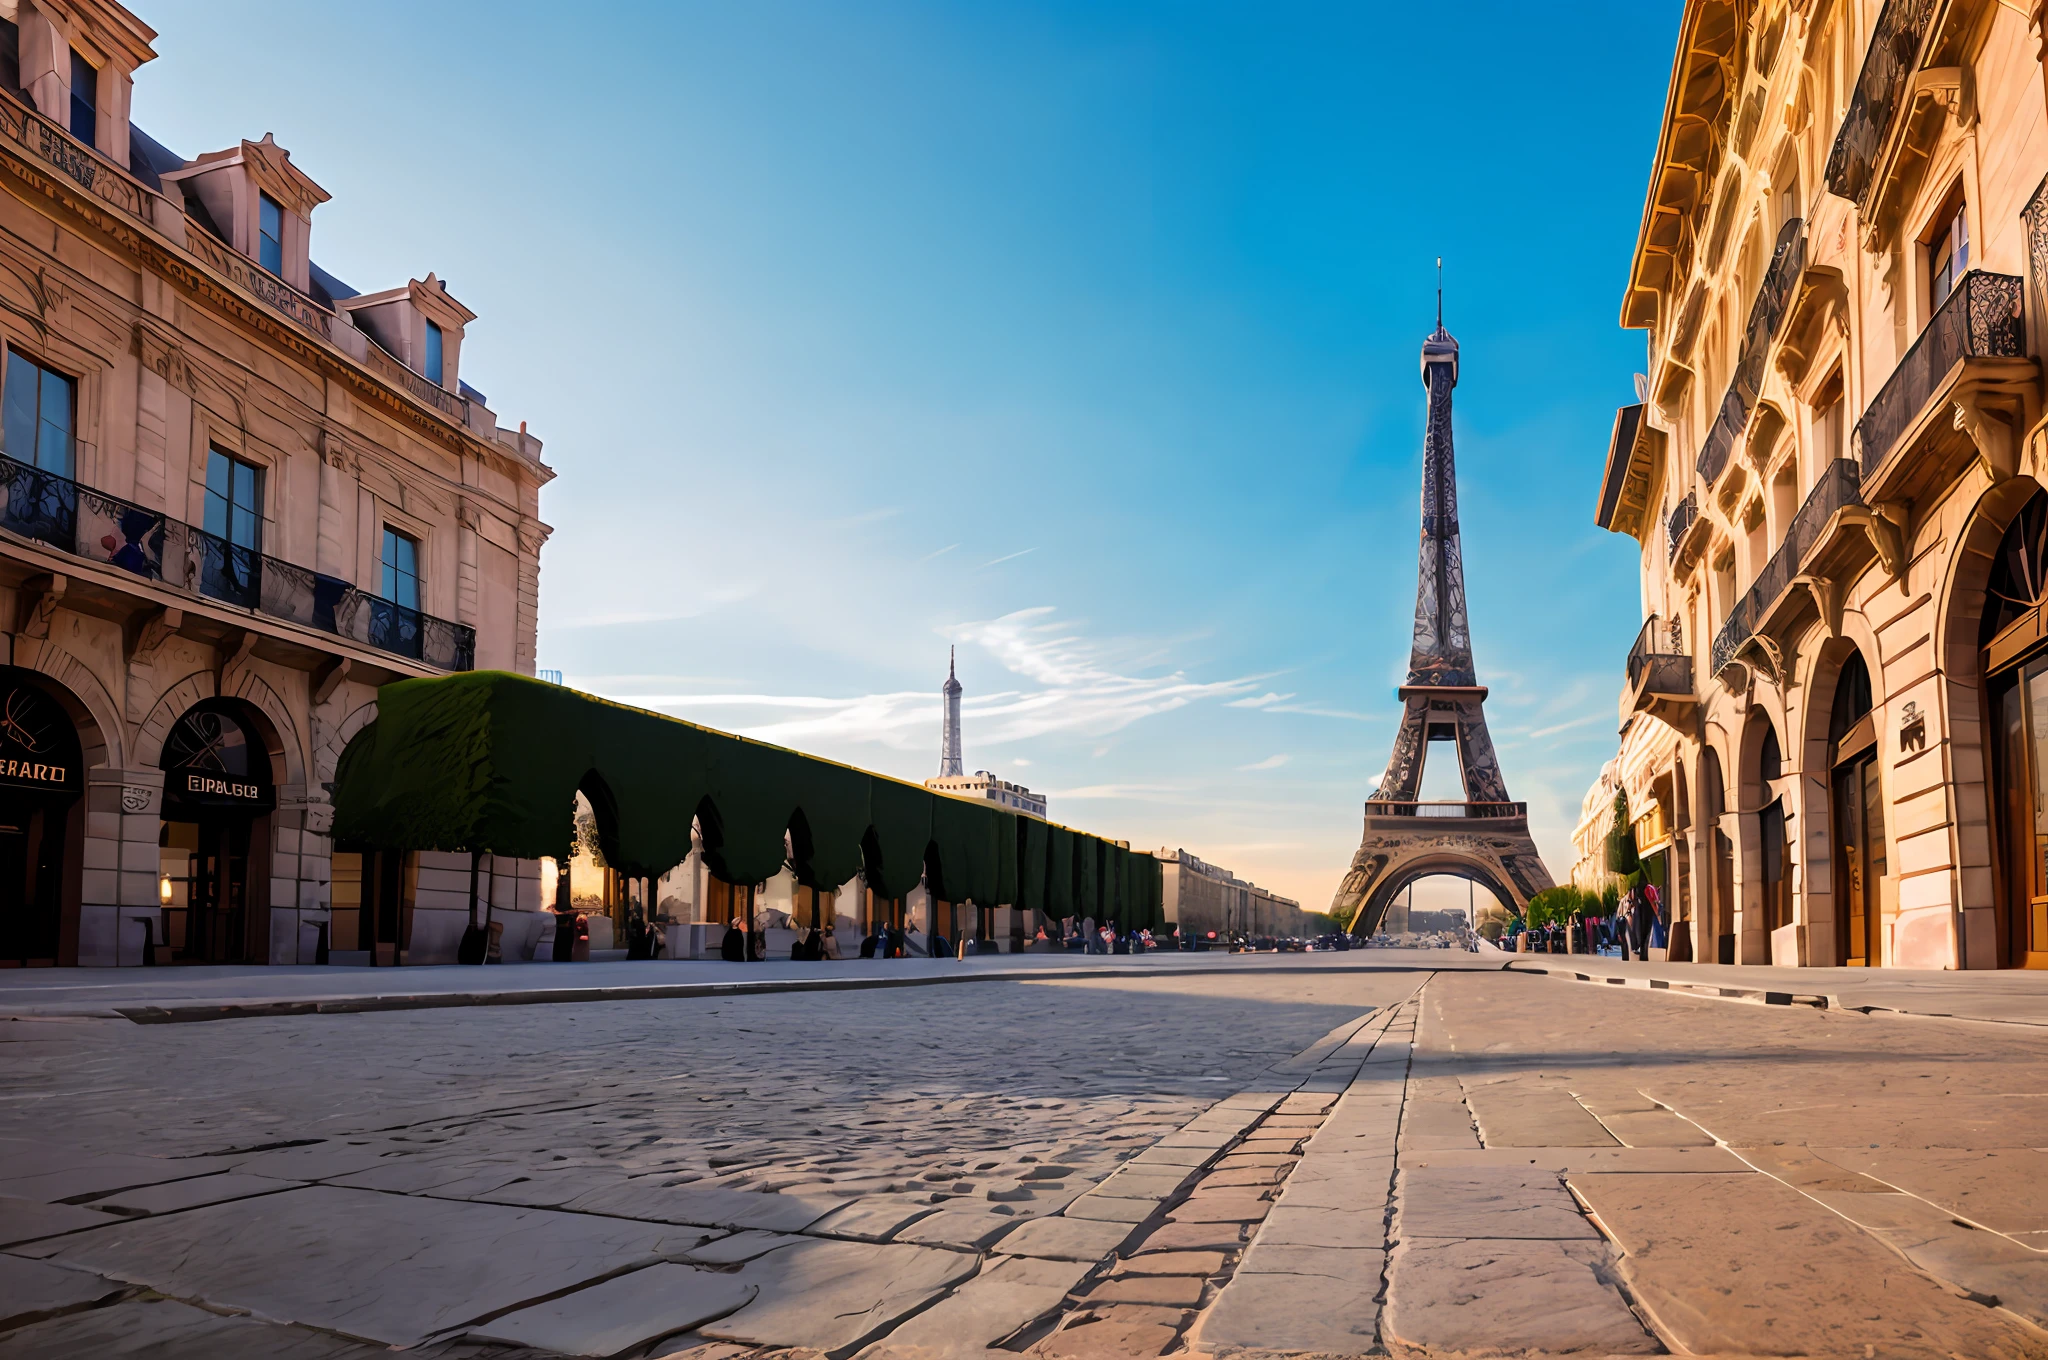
x: 236, y: 496
x: 1835, y: 717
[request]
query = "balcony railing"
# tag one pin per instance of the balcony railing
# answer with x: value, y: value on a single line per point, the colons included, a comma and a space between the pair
x: 1881, y: 85
x: 77, y: 519
x: 1839, y: 485
x: 1379, y: 809
x: 1683, y: 516
x: 1658, y: 662
x: 1982, y: 318
x: 1766, y: 314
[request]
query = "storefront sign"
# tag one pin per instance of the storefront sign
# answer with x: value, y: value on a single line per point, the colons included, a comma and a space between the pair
x: 38, y: 747
x: 199, y: 785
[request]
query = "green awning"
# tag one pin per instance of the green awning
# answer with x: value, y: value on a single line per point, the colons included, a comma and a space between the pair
x: 1032, y: 838
x: 1060, y: 895
x: 493, y: 761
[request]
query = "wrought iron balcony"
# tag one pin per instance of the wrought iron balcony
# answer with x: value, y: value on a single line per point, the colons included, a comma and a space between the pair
x: 1881, y: 86
x: 1839, y: 485
x: 1766, y: 314
x: 1374, y: 808
x: 1658, y: 662
x: 77, y: 519
x: 1982, y: 319
x: 1683, y: 516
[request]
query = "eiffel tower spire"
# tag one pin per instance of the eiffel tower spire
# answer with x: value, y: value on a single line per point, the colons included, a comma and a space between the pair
x: 1441, y: 653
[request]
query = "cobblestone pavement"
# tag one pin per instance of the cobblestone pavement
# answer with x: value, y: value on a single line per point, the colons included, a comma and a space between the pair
x: 1457, y: 1163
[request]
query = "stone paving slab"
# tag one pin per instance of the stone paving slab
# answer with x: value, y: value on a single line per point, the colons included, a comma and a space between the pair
x: 959, y: 1228
x: 1509, y: 1298
x: 1173, y: 1263
x: 623, y: 1312
x: 1655, y: 1161
x: 32, y: 1169
x: 740, y: 1246
x: 2004, y: 1189
x: 707, y: 1207
x: 1288, y: 1226
x: 173, y: 1196
x: 1112, y: 1209
x: 834, y: 1295
x: 1525, y: 1114
x: 1744, y: 1265
x: 1445, y: 1202
x: 1292, y: 1312
x: 25, y: 1220
x: 1192, y: 1237
x: 1010, y: 1294
x: 395, y: 1268
x: 164, y: 1329
x: 871, y: 1220
x: 1066, y: 1239
x: 1655, y: 1128
x: 31, y: 1290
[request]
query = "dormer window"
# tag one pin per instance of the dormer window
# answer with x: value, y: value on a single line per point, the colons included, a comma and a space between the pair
x: 85, y: 99
x: 270, y: 234
x: 430, y: 365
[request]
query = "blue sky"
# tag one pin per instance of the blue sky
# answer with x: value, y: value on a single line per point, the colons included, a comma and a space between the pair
x: 1081, y: 336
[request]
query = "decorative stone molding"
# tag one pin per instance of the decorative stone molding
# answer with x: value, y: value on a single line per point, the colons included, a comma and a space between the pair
x: 39, y: 598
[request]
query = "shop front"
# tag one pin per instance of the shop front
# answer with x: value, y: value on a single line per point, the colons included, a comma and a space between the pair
x: 213, y: 838
x: 42, y: 777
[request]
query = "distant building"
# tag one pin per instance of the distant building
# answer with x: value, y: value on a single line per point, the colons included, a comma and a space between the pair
x: 980, y: 784
x: 1198, y: 897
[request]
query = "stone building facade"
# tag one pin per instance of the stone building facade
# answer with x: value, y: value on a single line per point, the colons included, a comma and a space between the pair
x: 1201, y: 898
x: 236, y: 496
x: 1834, y: 719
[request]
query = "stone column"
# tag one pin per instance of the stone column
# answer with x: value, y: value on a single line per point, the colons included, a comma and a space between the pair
x: 122, y: 810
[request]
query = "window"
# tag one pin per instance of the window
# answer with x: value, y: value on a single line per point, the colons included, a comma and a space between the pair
x: 37, y: 421
x: 234, y: 500
x: 401, y: 569
x: 85, y: 99
x: 10, y: 55
x: 1828, y: 432
x: 431, y: 365
x: 270, y: 234
x: 1948, y: 256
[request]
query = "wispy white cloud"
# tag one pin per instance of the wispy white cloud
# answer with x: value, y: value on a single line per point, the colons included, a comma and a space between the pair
x: 1269, y: 763
x: 938, y: 552
x: 1074, y: 685
x: 1259, y: 700
x: 1556, y: 728
x: 1010, y: 557
x: 1317, y: 711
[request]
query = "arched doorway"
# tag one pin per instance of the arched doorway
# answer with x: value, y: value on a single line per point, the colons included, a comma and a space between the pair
x: 42, y: 774
x: 1856, y: 807
x: 2015, y: 663
x: 212, y: 841
x: 1774, y: 843
x: 1721, y: 853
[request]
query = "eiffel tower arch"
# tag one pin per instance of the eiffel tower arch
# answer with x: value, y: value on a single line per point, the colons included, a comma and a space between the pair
x: 1484, y: 838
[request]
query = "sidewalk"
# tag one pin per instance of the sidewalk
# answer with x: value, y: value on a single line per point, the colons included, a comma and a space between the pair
x: 2008, y: 996
x: 175, y: 994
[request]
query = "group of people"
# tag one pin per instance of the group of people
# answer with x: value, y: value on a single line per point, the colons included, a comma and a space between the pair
x: 1106, y: 940
x: 1637, y: 926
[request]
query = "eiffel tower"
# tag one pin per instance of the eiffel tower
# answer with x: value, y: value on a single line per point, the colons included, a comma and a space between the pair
x: 1486, y: 837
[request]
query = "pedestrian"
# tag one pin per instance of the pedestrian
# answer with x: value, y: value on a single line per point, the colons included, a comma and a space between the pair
x: 733, y: 948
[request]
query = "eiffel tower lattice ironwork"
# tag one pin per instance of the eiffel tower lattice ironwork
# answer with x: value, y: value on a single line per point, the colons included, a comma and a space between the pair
x: 1486, y: 837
